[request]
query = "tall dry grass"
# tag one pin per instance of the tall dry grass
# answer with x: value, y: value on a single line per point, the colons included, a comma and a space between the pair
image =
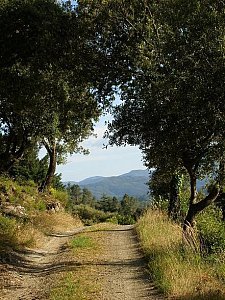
x: 31, y: 229
x: 45, y: 223
x: 56, y: 222
x: 34, y: 234
x: 177, y: 271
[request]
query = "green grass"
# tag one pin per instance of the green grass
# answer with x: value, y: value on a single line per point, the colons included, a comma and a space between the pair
x: 82, y: 242
x: 19, y: 232
x: 69, y: 289
x: 78, y: 284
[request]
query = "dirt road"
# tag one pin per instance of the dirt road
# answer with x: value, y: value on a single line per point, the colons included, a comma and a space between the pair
x: 123, y: 269
x: 119, y: 268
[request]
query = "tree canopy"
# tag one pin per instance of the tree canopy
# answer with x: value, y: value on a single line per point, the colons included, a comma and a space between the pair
x: 173, y: 107
x: 53, y: 85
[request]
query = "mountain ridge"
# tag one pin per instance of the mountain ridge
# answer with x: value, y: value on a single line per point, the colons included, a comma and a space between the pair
x: 133, y: 183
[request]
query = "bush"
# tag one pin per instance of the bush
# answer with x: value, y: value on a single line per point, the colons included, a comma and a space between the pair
x: 211, y: 230
x: 125, y: 220
x: 113, y: 220
x: 40, y: 205
x: 60, y: 196
x: 90, y: 215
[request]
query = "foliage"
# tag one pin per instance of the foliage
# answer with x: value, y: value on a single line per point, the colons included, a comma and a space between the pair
x: 30, y: 167
x: 25, y: 193
x: 129, y: 205
x: 29, y: 227
x: 167, y: 108
x: 48, y: 91
x: 109, y: 204
x: 159, y: 184
x: 125, y: 219
x: 87, y: 197
x: 75, y: 194
x: 163, y: 190
x: 57, y: 182
x: 60, y: 196
x: 90, y: 215
x: 90, y: 210
x: 80, y: 196
x: 211, y: 231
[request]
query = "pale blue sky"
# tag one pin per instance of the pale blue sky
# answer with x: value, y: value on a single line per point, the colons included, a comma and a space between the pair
x: 112, y: 161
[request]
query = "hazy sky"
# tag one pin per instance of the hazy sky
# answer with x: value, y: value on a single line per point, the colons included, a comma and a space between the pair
x: 101, y: 162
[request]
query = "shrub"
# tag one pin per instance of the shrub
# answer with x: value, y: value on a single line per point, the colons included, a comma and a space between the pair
x: 60, y: 196
x: 40, y: 205
x: 113, y: 220
x: 90, y: 215
x: 125, y: 220
x: 211, y: 230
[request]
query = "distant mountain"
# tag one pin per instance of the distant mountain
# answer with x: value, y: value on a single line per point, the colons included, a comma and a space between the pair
x: 133, y: 183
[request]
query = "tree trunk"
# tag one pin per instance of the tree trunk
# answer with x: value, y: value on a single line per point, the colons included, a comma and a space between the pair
x: 189, y: 220
x: 220, y: 201
x: 51, y: 149
x: 189, y: 234
x: 174, y: 203
x: 196, y: 208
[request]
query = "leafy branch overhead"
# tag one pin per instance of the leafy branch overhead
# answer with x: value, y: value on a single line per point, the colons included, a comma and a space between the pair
x: 51, y: 87
x: 173, y: 105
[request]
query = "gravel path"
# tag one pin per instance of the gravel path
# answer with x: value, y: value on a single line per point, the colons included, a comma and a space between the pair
x: 123, y: 267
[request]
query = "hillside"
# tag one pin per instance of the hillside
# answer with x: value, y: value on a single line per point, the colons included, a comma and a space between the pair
x: 133, y: 183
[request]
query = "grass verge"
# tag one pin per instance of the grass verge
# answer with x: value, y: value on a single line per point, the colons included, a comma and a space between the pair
x: 177, y: 272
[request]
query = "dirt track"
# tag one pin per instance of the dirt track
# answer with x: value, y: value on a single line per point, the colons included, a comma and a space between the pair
x: 123, y: 268
x: 119, y: 268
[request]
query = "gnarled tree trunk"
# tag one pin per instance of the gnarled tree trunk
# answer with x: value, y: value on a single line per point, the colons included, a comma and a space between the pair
x: 196, y: 208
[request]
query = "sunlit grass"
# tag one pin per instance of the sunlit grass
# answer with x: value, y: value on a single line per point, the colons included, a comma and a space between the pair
x: 80, y: 283
x: 176, y: 271
x: 72, y: 288
x: 57, y: 222
x: 82, y: 242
